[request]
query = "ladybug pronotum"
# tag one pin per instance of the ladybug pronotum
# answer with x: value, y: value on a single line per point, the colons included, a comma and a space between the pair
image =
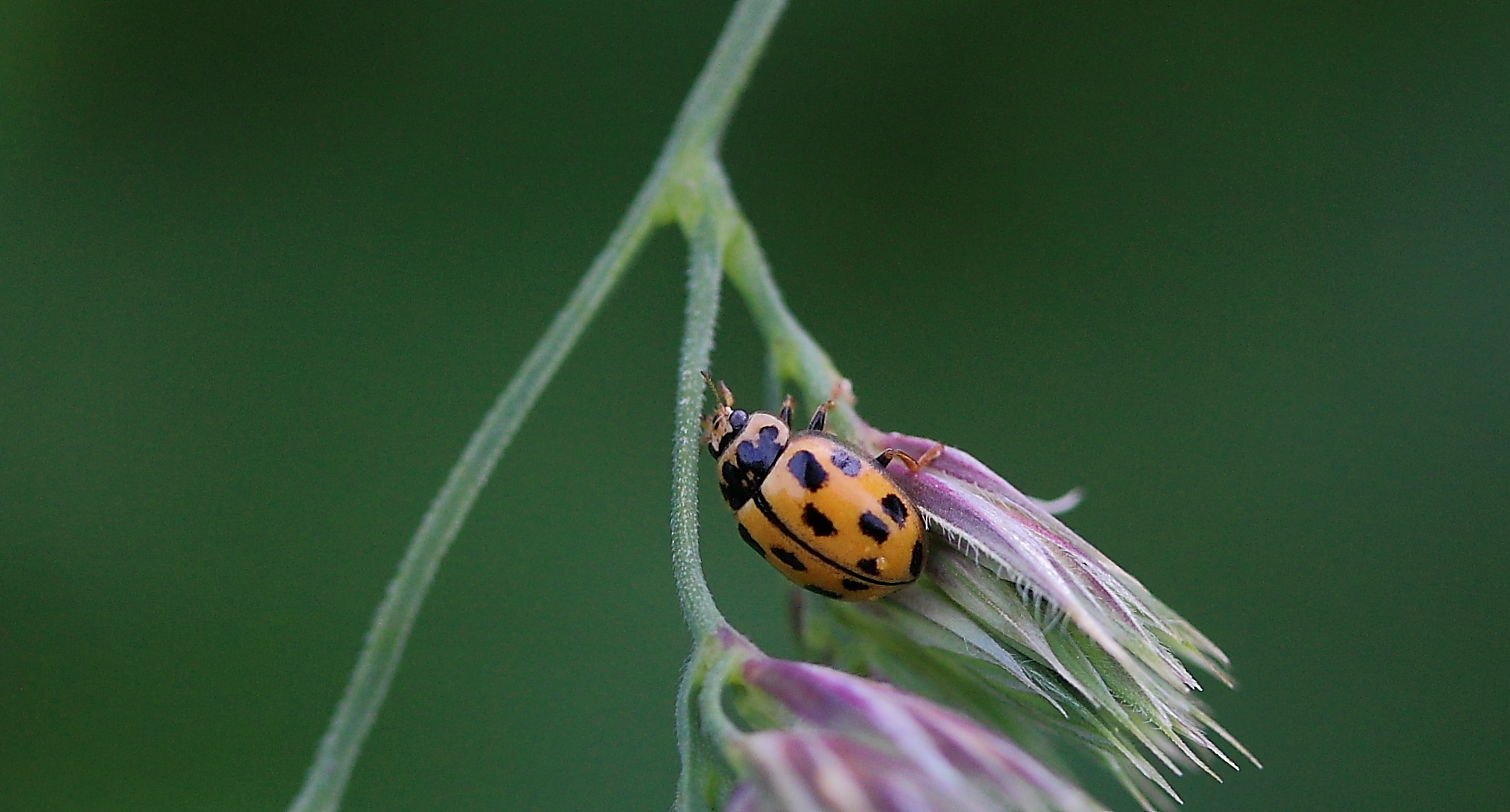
x: 819, y: 510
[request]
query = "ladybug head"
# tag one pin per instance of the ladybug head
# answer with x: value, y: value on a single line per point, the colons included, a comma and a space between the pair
x: 726, y: 422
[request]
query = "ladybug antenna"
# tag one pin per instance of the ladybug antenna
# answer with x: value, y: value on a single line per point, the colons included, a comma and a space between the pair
x: 720, y: 391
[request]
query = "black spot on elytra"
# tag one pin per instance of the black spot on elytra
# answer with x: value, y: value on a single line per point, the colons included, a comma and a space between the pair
x: 752, y: 461
x: 814, y: 518
x: 750, y: 540
x: 760, y: 453
x: 853, y: 586
x: 737, y: 485
x: 872, y: 525
x: 808, y: 470
x: 868, y: 566
x: 846, y: 462
x: 918, y: 551
x: 789, y: 558
x: 894, y: 508
x: 818, y: 590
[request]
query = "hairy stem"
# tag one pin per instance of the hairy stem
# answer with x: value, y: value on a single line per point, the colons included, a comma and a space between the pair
x: 705, y: 114
x: 704, y: 274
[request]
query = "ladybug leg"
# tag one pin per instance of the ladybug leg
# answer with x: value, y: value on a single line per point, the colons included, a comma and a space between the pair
x: 786, y: 411
x: 914, y: 465
x: 841, y: 390
x: 820, y: 417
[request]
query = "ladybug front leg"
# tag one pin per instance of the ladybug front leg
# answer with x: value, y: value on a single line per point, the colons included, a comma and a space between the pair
x: 841, y: 390
x: 885, y: 457
x: 786, y: 411
x: 820, y: 416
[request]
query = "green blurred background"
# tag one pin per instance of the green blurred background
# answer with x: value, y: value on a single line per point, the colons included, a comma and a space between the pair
x: 1241, y: 271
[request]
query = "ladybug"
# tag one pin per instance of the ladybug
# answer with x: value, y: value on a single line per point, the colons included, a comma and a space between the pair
x: 819, y: 510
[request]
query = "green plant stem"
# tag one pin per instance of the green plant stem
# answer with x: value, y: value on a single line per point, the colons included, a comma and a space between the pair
x: 704, y: 274
x: 705, y: 114
x: 704, y: 278
x: 698, y: 787
x: 794, y: 356
x: 694, y: 137
x: 691, y: 745
x: 716, y: 722
x: 383, y: 646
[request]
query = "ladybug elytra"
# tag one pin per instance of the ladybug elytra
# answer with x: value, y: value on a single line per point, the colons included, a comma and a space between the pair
x: 819, y: 510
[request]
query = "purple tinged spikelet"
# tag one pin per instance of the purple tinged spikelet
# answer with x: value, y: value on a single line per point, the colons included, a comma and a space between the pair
x: 816, y: 771
x: 1013, y: 572
x: 988, y: 519
x: 880, y: 748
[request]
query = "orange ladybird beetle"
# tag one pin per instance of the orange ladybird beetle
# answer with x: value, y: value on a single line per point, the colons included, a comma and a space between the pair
x: 821, y: 511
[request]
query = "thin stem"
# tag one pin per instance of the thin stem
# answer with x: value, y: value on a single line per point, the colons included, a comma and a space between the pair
x: 681, y: 164
x: 716, y: 723
x: 705, y: 114
x: 705, y: 774
x: 383, y: 646
x: 794, y: 355
x: 699, y: 611
x: 704, y: 275
x: 690, y: 743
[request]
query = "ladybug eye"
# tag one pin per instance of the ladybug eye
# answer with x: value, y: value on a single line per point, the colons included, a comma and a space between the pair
x: 737, y: 419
